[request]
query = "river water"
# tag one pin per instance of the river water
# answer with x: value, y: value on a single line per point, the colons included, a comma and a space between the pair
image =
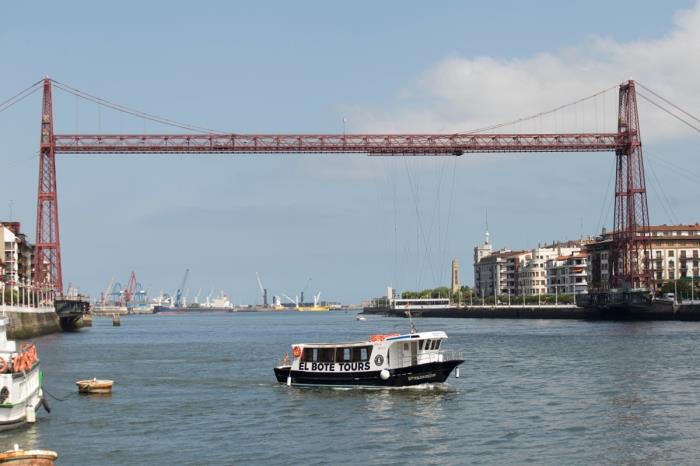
x: 199, y: 389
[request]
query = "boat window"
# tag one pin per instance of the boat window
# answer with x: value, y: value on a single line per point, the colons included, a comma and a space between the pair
x: 405, y: 346
x: 361, y: 353
x: 420, y: 344
x: 437, y: 344
x: 309, y: 354
x: 343, y: 355
x: 326, y: 354
x: 432, y: 344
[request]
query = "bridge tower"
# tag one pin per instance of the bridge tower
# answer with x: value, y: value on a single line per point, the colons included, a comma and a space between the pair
x: 47, y: 255
x: 631, y: 229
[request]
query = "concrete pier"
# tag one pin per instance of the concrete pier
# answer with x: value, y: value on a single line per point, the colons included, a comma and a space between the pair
x: 28, y: 322
x: 657, y: 311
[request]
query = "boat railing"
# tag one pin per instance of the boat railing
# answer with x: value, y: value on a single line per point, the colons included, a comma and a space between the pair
x: 440, y: 356
x: 281, y: 362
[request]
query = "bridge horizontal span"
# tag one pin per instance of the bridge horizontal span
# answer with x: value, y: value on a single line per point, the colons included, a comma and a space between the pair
x: 372, y: 144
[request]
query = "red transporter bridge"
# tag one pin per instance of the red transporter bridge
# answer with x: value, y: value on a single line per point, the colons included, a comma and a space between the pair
x: 630, y: 241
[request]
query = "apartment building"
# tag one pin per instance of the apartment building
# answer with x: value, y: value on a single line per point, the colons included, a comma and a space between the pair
x: 674, y: 254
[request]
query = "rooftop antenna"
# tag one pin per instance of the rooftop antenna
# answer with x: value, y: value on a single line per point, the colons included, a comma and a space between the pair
x: 487, y: 226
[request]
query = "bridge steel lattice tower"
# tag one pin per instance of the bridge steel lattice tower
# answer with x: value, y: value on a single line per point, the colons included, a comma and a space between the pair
x: 47, y: 253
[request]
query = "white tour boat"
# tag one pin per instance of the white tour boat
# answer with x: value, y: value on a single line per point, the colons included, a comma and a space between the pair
x: 392, y: 360
x: 20, y: 381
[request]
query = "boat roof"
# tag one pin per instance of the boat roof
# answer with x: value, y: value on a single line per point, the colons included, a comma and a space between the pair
x: 392, y: 337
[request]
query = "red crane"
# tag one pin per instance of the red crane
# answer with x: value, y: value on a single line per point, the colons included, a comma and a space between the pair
x: 631, y: 212
x: 130, y: 289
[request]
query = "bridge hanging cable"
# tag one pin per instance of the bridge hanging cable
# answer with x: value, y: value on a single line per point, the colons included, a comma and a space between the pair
x: 130, y: 111
x: 540, y: 114
x: 661, y: 107
x: 669, y: 103
x: 20, y: 96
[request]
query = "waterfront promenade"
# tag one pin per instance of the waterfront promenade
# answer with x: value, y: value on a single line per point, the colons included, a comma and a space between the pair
x: 658, y: 311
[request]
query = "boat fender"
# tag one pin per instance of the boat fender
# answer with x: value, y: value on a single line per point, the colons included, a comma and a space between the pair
x: 296, y: 351
x: 3, y: 366
x: 45, y: 404
x: 384, y: 374
x: 30, y: 414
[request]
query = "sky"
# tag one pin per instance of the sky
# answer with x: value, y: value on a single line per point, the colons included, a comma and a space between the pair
x: 351, y: 224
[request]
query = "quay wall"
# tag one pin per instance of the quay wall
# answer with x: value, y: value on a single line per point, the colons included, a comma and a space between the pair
x: 28, y: 322
x: 657, y: 311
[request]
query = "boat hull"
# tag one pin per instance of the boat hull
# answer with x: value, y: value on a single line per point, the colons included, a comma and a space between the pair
x: 13, y: 413
x: 433, y: 372
x: 28, y: 457
x: 182, y: 310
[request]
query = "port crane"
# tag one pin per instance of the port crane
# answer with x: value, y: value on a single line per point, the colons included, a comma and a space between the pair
x: 263, y: 290
x: 293, y: 301
x: 128, y: 294
x: 301, y: 296
x: 106, y: 293
x: 180, y: 290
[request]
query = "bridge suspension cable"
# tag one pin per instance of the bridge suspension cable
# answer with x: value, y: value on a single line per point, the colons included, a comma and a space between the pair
x: 541, y: 114
x: 131, y: 111
x: 20, y: 96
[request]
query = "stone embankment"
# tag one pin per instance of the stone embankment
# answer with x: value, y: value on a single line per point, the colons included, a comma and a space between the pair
x: 688, y: 311
x: 27, y: 322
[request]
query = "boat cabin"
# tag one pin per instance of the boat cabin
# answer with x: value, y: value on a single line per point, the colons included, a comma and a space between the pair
x: 380, y: 352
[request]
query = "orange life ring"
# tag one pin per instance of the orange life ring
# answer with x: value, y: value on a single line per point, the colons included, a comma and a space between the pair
x: 296, y: 351
x: 17, y: 363
x: 3, y: 365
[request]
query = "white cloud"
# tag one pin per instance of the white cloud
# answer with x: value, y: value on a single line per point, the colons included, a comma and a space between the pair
x: 464, y: 93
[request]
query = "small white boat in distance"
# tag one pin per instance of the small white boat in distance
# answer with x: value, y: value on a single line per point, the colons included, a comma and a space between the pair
x: 392, y: 360
x: 20, y: 381
x: 360, y: 317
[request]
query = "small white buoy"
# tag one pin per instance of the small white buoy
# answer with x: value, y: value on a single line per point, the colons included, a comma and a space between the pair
x: 30, y: 414
x: 384, y: 374
x: 289, y: 380
x: 457, y: 373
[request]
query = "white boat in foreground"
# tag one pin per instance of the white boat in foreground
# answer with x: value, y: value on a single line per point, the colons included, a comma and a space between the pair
x: 392, y: 360
x: 20, y: 381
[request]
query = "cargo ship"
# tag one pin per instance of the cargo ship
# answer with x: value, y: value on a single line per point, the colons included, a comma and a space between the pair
x: 219, y: 304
